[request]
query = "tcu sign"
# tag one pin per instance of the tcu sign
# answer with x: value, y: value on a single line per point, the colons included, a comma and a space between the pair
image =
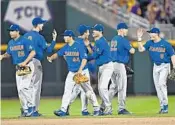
x: 22, y: 12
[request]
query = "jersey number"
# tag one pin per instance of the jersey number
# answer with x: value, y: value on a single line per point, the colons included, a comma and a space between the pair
x: 21, y: 53
x: 76, y: 59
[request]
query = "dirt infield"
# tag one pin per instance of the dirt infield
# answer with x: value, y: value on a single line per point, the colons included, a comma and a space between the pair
x: 92, y: 121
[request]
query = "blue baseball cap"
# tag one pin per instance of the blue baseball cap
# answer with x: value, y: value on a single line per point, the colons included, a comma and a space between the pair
x: 14, y: 27
x: 68, y: 33
x: 122, y: 26
x: 154, y: 30
x: 98, y: 27
x: 83, y: 28
x: 38, y: 20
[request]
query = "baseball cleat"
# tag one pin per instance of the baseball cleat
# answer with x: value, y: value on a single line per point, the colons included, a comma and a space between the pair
x: 30, y: 111
x: 36, y: 114
x: 59, y: 113
x: 108, y: 111
x: 97, y: 113
x: 124, y: 112
x: 85, y: 113
x: 163, y: 111
x: 67, y: 113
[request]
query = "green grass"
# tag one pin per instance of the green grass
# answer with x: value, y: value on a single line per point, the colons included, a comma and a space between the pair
x: 141, y: 106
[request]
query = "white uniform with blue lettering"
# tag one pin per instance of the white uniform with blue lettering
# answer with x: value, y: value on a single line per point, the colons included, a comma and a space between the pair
x: 120, y: 48
x: 74, y: 55
x: 41, y: 46
x: 19, y: 50
x: 160, y: 54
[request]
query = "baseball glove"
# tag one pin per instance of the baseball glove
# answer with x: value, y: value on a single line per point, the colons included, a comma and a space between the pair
x: 171, y: 76
x: 79, y: 78
x: 21, y: 71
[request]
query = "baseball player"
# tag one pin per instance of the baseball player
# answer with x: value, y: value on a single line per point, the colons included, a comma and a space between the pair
x: 120, y: 52
x: 161, y: 53
x: 41, y: 46
x: 103, y: 59
x: 76, y: 59
x: 82, y: 39
x: 22, y: 51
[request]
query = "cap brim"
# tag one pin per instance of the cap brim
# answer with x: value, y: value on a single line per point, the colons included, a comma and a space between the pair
x: 44, y: 21
x: 11, y: 30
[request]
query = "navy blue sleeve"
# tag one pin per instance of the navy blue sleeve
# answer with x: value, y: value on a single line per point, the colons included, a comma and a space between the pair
x: 169, y: 49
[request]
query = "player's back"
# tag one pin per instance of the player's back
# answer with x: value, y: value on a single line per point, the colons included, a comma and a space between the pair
x: 39, y: 43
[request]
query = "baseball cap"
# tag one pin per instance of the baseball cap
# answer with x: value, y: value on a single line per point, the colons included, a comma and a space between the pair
x: 98, y: 27
x: 38, y: 20
x: 68, y: 33
x: 83, y: 28
x: 14, y: 27
x: 122, y: 26
x: 154, y: 30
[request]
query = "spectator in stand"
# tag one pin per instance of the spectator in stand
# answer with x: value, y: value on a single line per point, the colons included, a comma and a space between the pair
x: 123, y: 5
x: 114, y: 7
x: 136, y: 9
x: 152, y: 12
x: 143, y: 6
x: 130, y: 4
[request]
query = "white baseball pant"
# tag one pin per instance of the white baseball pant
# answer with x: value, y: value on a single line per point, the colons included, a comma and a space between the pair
x: 160, y: 74
x: 104, y: 76
x: 119, y: 84
x: 24, y: 85
x: 84, y: 100
x: 37, y: 82
x: 69, y: 85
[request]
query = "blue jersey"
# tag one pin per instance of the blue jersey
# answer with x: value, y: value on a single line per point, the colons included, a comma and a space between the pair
x: 101, y: 52
x: 19, y: 49
x: 40, y: 44
x: 159, y: 52
x: 90, y: 65
x: 120, y: 47
x: 73, y: 55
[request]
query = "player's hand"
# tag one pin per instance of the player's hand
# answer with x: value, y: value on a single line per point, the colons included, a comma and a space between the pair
x: 79, y: 71
x: 54, y: 35
x: 49, y: 59
x: 140, y: 32
x: 22, y: 64
x: 1, y: 57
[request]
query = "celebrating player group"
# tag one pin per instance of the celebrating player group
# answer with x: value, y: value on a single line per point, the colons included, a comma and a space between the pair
x: 27, y: 52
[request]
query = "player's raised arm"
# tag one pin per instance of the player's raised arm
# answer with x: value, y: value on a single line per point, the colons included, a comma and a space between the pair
x: 52, y: 45
x: 140, y: 32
